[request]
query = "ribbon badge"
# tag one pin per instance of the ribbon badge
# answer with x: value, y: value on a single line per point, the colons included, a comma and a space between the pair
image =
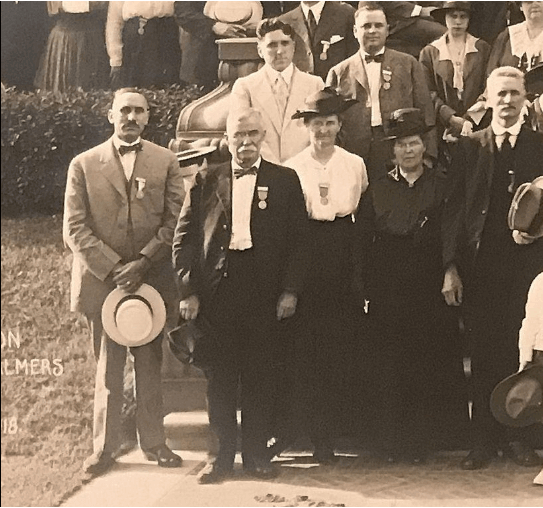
x: 323, y: 190
x: 140, y: 185
x: 387, y: 76
x: 262, y: 196
x: 326, y: 45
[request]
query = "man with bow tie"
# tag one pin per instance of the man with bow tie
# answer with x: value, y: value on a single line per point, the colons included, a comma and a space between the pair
x: 324, y: 35
x: 488, y: 267
x: 122, y: 201
x: 277, y: 90
x: 240, y: 255
x: 381, y: 80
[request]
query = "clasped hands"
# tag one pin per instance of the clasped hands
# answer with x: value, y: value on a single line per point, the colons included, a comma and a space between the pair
x: 286, y: 306
x: 129, y: 276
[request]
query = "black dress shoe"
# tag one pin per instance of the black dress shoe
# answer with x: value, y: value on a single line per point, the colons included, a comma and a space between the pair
x: 261, y: 469
x: 163, y: 456
x: 213, y: 473
x: 98, y: 464
x: 478, y: 458
x: 520, y: 453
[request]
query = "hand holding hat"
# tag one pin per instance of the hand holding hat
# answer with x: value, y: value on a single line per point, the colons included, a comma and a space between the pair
x: 526, y: 212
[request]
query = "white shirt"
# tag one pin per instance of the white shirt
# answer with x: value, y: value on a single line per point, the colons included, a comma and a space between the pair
x: 129, y: 158
x: 373, y: 71
x: 316, y: 9
x: 531, y: 332
x: 243, y: 190
x: 286, y: 74
x: 500, y: 131
x: 120, y: 12
x: 342, y: 181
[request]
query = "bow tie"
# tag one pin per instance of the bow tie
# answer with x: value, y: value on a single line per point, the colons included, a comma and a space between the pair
x: 123, y: 149
x: 374, y: 58
x: 239, y: 172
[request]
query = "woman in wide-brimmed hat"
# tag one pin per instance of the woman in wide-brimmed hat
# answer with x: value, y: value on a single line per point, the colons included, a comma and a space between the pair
x: 455, y: 67
x: 420, y: 401
x: 332, y: 180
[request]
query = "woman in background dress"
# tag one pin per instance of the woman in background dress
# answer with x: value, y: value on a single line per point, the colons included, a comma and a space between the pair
x: 75, y: 55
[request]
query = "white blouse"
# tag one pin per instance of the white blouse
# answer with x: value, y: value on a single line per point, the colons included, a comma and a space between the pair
x: 334, y: 189
x: 531, y: 332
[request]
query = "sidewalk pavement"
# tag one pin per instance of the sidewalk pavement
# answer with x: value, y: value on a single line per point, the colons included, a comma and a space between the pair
x: 362, y: 480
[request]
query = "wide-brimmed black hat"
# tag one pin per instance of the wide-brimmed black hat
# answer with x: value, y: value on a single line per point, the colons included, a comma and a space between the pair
x: 517, y: 401
x: 406, y: 122
x: 323, y: 103
x: 439, y: 14
x: 533, y: 80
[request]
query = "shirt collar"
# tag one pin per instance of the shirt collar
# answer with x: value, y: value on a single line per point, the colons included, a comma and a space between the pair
x: 286, y: 73
x: 317, y: 10
x: 380, y: 52
x: 444, y: 54
x: 235, y: 165
x: 514, y: 130
x: 117, y: 142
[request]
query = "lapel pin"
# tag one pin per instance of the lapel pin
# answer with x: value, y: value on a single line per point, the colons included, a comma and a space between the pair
x: 140, y: 185
x: 262, y: 196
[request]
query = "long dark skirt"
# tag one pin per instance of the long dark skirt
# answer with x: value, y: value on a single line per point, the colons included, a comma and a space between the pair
x: 75, y: 56
x: 321, y: 368
x: 418, y: 398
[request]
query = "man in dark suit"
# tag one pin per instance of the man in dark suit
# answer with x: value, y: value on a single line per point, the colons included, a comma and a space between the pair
x: 324, y: 35
x: 239, y: 253
x: 495, y: 266
x: 381, y: 80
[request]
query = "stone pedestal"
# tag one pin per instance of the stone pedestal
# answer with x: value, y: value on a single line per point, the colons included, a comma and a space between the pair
x: 202, y: 123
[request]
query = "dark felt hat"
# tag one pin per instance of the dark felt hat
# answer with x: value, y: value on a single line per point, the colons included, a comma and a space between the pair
x: 439, y: 14
x: 533, y: 80
x: 323, y: 103
x: 406, y: 122
x: 526, y: 211
x: 517, y: 401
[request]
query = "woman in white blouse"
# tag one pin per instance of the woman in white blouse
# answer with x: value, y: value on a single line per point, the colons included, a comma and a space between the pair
x: 333, y: 181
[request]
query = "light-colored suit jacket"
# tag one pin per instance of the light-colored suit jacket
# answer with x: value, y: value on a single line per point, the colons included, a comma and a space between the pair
x: 104, y: 225
x: 403, y: 85
x: 284, y: 138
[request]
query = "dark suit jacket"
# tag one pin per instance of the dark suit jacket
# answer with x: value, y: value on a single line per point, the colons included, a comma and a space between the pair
x: 202, y: 235
x: 407, y: 89
x: 472, y: 171
x: 337, y: 18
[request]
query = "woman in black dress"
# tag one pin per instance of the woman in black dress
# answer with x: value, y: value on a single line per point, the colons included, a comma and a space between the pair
x: 418, y: 385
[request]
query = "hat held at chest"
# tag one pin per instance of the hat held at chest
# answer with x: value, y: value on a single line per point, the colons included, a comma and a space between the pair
x: 134, y: 319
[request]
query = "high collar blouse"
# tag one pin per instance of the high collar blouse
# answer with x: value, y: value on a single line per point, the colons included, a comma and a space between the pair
x: 333, y: 189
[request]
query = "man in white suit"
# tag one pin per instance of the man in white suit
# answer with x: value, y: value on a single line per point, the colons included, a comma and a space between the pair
x: 277, y: 90
x: 121, y: 206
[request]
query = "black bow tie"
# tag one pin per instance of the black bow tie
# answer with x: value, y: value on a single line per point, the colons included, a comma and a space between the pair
x: 239, y: 172
x: 130, y: 148
x: 374, y: 58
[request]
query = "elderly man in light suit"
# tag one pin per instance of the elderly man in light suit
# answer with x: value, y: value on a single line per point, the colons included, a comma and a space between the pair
x: 277, y: 90
x: 381, y: 80
x: 121, y: 206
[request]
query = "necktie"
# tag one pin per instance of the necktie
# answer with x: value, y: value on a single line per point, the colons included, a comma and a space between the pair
x: 123, y: 149
x: 374, y: 58
x: 239, y: 172
x: 506, y: 151
x: 311, y: 24
x: 281, y: 94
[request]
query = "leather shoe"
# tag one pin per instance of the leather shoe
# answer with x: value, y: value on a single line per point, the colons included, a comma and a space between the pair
x: 99, y: 463
x: 213, y: 473
x: 520, y: 453
x: 261, y: 469
x: 163, y: 456
x: 478, y: 458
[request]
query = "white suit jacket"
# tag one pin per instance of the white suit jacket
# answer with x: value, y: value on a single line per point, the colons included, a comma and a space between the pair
x: 284, y: 139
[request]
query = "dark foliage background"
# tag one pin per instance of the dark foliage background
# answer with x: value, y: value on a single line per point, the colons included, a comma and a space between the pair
x: 41, y: 132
